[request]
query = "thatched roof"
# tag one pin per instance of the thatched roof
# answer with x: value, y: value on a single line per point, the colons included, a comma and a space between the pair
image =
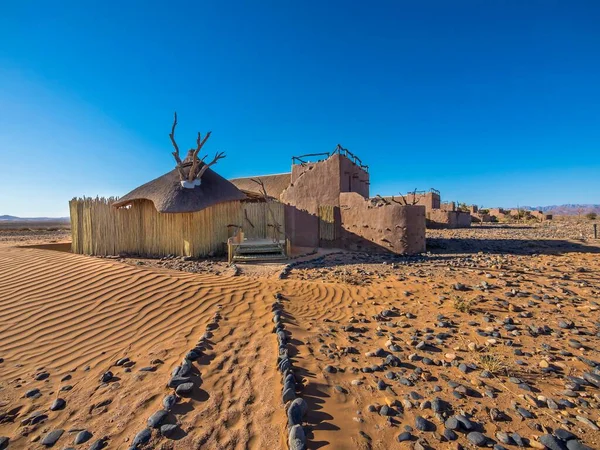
x: 169, y: 196
x: 274, y: 184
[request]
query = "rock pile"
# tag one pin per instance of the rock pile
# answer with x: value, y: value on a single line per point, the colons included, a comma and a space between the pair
x: 296, y: 407
x: 183, y: 381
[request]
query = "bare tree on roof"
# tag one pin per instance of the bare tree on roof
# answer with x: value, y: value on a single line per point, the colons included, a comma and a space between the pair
x: 414, y: 200
x: 193, y: 173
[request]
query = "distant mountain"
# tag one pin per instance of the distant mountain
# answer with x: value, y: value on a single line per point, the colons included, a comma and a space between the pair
x: 8, y: 218
x: 565, y: 210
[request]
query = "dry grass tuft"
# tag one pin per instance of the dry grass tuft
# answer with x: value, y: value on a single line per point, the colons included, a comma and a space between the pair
x: 492, y: 362
x: 463, y: 305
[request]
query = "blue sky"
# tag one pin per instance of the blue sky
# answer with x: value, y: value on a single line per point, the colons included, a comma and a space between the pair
x: 493, y: 103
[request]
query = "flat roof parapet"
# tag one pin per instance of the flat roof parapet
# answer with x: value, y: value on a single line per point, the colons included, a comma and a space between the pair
x: 302, y: 159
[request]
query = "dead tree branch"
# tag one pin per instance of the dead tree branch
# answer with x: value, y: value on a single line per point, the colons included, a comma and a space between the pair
x: 195, y: 160
x: 204, y: 168
x: 382, y: 199
x: 248, y: 218
x: 176, y: 152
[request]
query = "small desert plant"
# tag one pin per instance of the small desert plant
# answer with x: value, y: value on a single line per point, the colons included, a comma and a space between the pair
x: 591, y: 216
x: 463, y: 305
x: 491, y: 362
x: 463, y: 207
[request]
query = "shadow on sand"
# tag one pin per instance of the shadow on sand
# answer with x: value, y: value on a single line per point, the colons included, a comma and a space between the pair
x: 511, y: 246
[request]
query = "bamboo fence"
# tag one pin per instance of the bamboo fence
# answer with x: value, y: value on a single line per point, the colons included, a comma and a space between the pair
x: 100, y: 229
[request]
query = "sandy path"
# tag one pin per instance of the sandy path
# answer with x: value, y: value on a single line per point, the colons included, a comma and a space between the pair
x: 72, y: 315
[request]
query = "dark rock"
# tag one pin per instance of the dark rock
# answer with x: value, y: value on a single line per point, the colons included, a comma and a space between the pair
x: 156, y: 419
x: 57, y: 404
x: 385, y: 411
x: 564, y: 435
x: 41, y: 376
x: 168, y: 430
x: 465, y: 422
x: 4, y: 442
x: 518, y: 439
x: 98, y: 445
x: 504, y: 438
x: 52, y: 437
x: 106, y: 377
x: 452, y: 423
x: 82, y: 436
x: 571, y: 445
x: 288, y: 395
x: 477, y: 439
x: 169, y: 401
x: 294, y: 413
x: 404, y: 436
x: 143, y: 437
x: 35, y: 417
x: 524, y: 413
x: 192, y: 355
x: 297, y: 438
x: 552, y: 443
x: 330, y: 369
x: 184, y: 389
x: 592, y: 378
x: 450, y: 435
x: 437, y: 406
x: 176, y: 381
x: 422, y: 424
x: 32, y: 393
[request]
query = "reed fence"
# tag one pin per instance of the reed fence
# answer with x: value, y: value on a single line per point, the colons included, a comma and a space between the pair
x: 100, y: 229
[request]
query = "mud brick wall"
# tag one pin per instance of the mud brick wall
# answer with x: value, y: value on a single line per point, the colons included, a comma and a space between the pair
x: 368, y: 227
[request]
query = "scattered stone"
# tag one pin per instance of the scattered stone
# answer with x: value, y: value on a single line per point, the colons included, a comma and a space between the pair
x: 184, y: 389
x: 297, y: 438
x: 143, y: 437
x: 59, y: 403
x: 168, y: 430
x: 404, y: 436
x: 477, y: 439
x: 52, y: 437
x: 106, y: 377
x: 82, y: 436
x: 551, y: 442
x: 169, y: 401
x: 156, y: 419
x: 98, y: 444
x: 422, y: 424
x: 33, y: 393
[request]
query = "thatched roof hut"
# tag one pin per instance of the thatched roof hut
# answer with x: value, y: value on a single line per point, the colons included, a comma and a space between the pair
x: 169, y: 196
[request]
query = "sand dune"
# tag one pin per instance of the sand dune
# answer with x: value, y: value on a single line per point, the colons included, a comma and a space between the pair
x: 74, y: 315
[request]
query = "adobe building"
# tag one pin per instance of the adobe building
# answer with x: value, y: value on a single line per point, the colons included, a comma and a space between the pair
x: 438, y: 214
x: 540, y: 215
x: 477, y: 216
x: 327, y: 204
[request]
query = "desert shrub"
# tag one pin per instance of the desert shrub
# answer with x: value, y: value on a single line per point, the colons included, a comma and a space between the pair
x: 591, y: 216
x: 463, y: 305
x: 491, y: 362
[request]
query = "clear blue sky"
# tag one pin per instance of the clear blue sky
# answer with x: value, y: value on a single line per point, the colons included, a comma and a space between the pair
x: 491, y: 102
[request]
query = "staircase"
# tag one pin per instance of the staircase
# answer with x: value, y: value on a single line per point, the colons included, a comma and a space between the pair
x: 251, y: 250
